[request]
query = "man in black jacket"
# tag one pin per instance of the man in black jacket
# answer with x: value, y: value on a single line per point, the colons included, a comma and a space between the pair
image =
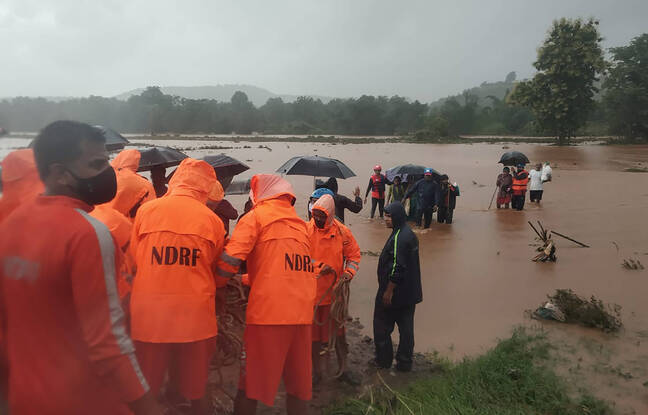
x: 342, y: 202
x: 446, y: 199
x: 399, y: 290
x: 427, y: 189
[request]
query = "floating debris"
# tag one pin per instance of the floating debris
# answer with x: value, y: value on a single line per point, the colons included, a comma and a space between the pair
x: 370, y: 253
x: 632, y: 264
x: 566, y: 306
x: 547, y: 252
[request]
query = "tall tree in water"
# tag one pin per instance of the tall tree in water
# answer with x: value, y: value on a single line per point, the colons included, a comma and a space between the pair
x: 626, y: 89
x: 561, y: 93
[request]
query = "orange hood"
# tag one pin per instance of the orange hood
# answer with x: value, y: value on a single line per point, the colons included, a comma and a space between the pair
x: 195, y: 178
x: 269, y: 186
x: 20, y: 181
x: 127, y: 159
x: 327, y: 205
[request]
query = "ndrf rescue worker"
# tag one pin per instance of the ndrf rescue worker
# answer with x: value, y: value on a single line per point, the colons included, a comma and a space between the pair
x: 20, y: 184
x: 132, y: 189
x: 332, y: 244
x: 277, y: 341
x: 120, y: 227
x: 376, y: 186
x: 20, y: 181
x: 68, y: 349
x: 519, y: 187
x: 399, y: 290
x: 177, y: 240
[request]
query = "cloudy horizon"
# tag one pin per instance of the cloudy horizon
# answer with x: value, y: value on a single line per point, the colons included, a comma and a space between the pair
x: 423, y: 50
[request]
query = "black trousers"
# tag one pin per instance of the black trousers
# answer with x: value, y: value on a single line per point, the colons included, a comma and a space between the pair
x: 383, y: 324
x: 445, y: 215
x: 517, y: 201
x: 381, y: 206
x: 535, y: 195
x: 424, y: 213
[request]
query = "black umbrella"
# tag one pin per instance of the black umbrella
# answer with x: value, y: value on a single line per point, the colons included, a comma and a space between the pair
x: 316, y: 166
x: 513, y: 158
x: 408, y: 170
x: 114, y: 140
x: 160, y: 157
x: 225, y: 165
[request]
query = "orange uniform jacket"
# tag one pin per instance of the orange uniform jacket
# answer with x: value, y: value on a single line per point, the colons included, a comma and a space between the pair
x: 20, y: 181
x: 120, y: 227
x: 274, y: 242
x: 67, y: 345
x: 334, y: 246
x: 176, y: 240
x: 131, y: 187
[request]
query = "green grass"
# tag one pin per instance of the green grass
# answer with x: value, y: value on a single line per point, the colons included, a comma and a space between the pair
x: 513, y: 378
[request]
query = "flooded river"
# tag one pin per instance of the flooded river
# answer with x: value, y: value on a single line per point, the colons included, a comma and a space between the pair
x: 477, y: 275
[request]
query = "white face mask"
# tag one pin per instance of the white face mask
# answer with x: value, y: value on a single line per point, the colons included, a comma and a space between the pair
x: 310, y: 207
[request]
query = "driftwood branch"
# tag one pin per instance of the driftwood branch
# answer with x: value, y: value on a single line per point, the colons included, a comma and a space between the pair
x: 570, y: 239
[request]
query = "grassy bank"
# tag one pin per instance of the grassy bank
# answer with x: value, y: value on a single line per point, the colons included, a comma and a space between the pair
x: 515, y: 377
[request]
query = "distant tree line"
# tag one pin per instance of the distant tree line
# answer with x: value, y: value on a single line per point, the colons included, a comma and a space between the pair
x: 575, y: 91
x: 154, y: 112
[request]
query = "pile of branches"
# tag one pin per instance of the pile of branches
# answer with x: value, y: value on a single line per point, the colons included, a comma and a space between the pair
x: 547, y: 252
x: 632, y: 264
x: 589, y: 313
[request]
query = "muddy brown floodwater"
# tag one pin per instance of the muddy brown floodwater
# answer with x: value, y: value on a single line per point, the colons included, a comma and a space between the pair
x: 477, y: 275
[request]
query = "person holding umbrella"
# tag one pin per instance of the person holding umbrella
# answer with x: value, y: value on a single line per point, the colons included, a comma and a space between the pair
x: 519, y: 186
x: 377, y: 183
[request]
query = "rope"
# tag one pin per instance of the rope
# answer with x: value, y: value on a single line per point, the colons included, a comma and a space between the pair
x: 337, y: 318
x: 231, y: 323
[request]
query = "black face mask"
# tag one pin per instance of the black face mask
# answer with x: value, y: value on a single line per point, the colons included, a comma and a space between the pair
x: 98, y: 189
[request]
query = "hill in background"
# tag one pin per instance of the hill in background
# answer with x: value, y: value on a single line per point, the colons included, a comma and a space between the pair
x: 223, y: 93
x: 497, y: 89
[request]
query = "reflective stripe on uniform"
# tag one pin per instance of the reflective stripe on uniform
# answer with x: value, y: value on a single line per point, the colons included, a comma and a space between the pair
x: 353, y: 265
x: 107, y: 249
x: 395, y: 251
x: 230, y: 260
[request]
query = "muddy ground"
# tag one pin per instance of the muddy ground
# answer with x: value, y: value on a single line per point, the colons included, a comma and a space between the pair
x: 477, y: 275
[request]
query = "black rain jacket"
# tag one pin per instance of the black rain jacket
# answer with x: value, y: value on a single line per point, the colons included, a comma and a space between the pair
x: 399, y: 262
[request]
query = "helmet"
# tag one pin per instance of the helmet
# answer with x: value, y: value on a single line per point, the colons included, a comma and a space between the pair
x: 321, y: 192
x: 427, y: 172
x: 377, y: 167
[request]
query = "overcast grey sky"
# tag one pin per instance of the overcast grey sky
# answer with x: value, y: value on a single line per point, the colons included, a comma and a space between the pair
x: 419, y: 49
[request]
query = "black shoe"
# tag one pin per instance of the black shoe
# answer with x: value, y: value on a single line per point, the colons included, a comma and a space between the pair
x: 404, y: 367
x: 374, y: 363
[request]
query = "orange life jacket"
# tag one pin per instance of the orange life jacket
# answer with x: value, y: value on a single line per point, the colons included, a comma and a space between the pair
x: 335, y: 246
x: 377, y: 186
x: 177, y: 240
x: 520, y: 185
x: 274, y: 242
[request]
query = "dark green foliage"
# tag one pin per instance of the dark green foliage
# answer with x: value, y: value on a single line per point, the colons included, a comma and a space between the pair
x: 561, y: 94
x: 155, y: 112
x: 626, y: 90
x: 589, y: 313
x: 513, y: 378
